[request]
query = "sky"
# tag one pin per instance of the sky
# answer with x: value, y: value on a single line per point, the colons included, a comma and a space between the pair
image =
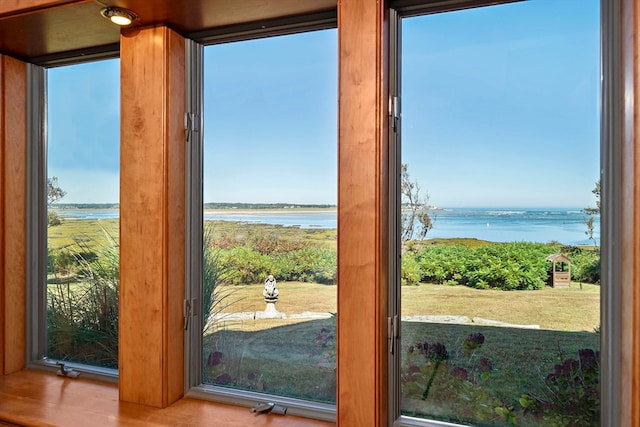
x: 83, y: 130
x: 500, y: 105
x: 500, y: 108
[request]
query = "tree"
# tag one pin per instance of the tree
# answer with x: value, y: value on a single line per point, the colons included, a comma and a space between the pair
x: 54, y: 194
x: 592, y: 213
x: 416, y: 219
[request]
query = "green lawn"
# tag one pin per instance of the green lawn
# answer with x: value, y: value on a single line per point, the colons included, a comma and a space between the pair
x: 257, y: 352
x: 571, y: 309
x: 91, y: 232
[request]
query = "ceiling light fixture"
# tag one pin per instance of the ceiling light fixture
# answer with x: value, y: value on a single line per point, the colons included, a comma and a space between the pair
x: 118, y: 15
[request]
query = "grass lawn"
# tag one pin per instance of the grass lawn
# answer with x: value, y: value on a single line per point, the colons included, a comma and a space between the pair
x: 568, y: 309
x: 90, y: 232
x: 326, y: 237
x: 257, y: 352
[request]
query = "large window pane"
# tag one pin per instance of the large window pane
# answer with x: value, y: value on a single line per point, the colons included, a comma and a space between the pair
x: 500, y: 154
x: 83, y: 144
x: 269, y: 193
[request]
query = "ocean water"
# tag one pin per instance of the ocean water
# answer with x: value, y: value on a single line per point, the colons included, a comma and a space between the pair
x: 494, y: 224
x: 506, y: 225
x: 311, y: 219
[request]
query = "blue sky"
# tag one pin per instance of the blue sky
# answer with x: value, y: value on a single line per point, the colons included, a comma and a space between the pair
x: 499, y: 108
x: 501, y: 104
x: 83, y: 130
x: 270, y: 112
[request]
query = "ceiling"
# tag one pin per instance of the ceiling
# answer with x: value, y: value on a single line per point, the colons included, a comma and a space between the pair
x: 77, y: 28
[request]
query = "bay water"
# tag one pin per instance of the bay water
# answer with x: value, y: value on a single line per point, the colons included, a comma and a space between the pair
x: 564, y: 225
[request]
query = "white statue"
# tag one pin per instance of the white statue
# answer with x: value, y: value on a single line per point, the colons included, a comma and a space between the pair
x: 270, y: 292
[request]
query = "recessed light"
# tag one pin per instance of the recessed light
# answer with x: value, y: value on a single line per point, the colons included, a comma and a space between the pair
x: 118, y: 15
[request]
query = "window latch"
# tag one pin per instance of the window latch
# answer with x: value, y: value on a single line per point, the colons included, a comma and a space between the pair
x: 393, y: 332
x: 187, y: 311
x: 191, y: 125
x: 269, y: 407
x: 66, y: 372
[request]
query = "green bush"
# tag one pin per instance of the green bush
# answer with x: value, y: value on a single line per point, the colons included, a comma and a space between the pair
x: 445, y: 264
x: 245, y: 266
x: 410, y: 274
x: 585, y: 265
x: 309, y: 264
x: 250, y: 259
x: 506, y: 266
x: 511, y: 266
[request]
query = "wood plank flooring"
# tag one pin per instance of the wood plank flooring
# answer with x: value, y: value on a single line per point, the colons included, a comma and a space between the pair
x: 33, y: 398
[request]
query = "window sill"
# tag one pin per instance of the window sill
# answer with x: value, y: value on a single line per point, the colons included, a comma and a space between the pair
x: 35, y: 398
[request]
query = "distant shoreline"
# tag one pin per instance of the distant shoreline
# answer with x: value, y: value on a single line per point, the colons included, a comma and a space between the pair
x: 241, y: 211
x: 226, y: 211
x: 564, y: 225
x: 279, y: 207
x: 212, y: 207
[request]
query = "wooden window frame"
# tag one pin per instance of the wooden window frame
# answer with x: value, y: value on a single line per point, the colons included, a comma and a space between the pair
x: 363, y: 244
x: 193, y: 336
x: 618, y: 218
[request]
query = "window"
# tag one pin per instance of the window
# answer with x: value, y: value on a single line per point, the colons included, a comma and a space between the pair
x: 269, y: 219
x: 498, y: 186
x: 79, y: 289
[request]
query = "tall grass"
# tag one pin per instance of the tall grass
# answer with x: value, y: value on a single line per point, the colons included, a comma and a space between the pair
x: 215, y: 298
x: 82, y: 302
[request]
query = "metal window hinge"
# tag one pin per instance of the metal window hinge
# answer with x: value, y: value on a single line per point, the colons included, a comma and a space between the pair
x: 394, y: 112
x: 393, y: 332
x: 188, y: 311
x: 191, y: 125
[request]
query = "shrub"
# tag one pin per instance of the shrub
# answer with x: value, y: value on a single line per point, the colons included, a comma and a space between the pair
x: 511, y: 266
x: 455, y: 381
x: 271, y: 243
x: 573, y: 392
x: 585, y: 265
x: 411, y: 274
x: 245, y: 265
x: 507, y: 266
x: 445, y: 264
x: 250, y: 259
x: 308, y: 264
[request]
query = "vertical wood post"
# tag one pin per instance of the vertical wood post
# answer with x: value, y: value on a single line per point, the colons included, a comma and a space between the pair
x: 629, y: 218
x: 363, y: 242
x: 13, y: 166
x: 152, y: 216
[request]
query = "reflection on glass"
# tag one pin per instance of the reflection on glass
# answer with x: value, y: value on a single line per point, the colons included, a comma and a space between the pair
x: 500, y: 183
x: 83, y: 145
x: 270, y: 179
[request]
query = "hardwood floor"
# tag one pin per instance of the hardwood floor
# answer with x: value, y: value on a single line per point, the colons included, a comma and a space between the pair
x: 33, y: 398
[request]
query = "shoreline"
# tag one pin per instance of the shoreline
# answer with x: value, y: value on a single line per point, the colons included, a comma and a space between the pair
x: 244, y: 211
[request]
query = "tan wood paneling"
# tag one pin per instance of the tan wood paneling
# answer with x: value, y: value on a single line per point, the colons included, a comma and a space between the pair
x: 76, y: 25
x: 22, y: 6
x: 13, y: 213
x: 633, y: 307
x: 3, y: 247
x: 43, y: 399
x: 627, y: 168
x: 152, y: 219
x: 362, y: 214
x: 175, y: 206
